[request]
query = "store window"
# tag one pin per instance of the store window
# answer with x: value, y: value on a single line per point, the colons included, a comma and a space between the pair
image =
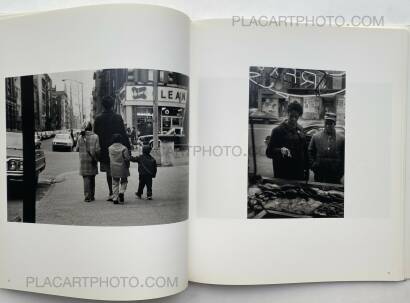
x: 142, y: 120
x: 176, y: 121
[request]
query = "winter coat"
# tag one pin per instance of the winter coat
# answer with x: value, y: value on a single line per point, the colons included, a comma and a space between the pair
x: 119, y: 160
x: 294, y: 139
x: 147, y: 166
x: 326, y: 156
x: 88, y: 147
x: 105, y: 125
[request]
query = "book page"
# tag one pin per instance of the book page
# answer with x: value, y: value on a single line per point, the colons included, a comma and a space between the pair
x: 407, y: 184
x: 298, y: 153
x: 95, y: 100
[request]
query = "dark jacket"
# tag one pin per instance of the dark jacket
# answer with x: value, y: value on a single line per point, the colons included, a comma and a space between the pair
x: 105, y: 125
x: 147, y: 166
x: 326, y: 156
x: 292, y: 168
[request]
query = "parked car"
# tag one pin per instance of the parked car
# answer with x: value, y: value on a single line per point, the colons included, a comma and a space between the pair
x: 37, y: 141
x: 175, y: 134
x: 45, y: 135
x: 41, y: 135
x: 262, y: 117
x: 63, y: 142
x: 14, y: 161
x: 77, y: 134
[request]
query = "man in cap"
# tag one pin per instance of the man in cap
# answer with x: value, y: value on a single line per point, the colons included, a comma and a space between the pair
x: 327, y: 152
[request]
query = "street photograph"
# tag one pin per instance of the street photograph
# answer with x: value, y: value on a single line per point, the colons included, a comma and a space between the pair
x: 105, y: 147
x: 296, y: 143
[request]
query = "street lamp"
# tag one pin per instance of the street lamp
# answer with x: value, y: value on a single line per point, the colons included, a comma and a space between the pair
x: 81, y: 110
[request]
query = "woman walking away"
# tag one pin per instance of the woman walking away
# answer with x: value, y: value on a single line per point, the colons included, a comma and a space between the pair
x: 89, y: 149
x: 119, y: 166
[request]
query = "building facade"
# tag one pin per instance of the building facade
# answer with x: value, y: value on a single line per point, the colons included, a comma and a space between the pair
x: 272, y: 89
x: 137, y: 99
x: 64, y: 110
x: 108, y: 82
x: 13, y: 104
x: 133, y: 92
x: 43, y: 92
x: 52, y: 110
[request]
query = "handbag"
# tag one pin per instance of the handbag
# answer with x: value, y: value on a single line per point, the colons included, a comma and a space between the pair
x: 94, y: 161
x: 127, y: 162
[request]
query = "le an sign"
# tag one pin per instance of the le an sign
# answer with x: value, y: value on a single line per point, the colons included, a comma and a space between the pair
x: 165, y: 93
x: 172, y: 94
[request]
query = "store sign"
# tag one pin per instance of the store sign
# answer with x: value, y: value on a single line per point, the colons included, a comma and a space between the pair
x: 146, y: 93
x: 172, y: 94
x: 145, y: 114
x: 139, y: 93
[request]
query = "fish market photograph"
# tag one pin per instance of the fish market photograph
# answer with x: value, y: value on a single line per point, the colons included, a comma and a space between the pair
x: 296, y: 138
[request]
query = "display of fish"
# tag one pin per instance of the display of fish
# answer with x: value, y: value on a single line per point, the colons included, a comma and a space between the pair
x: 296, y: 199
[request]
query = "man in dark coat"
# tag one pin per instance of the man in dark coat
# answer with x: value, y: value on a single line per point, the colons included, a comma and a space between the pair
x: 327, y: 153
x: 105, y: 125
x: 287, y: 147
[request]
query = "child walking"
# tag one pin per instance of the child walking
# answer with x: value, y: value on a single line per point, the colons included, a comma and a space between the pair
x: 147, y: 170
x: 119, y: 165
x: 89, y: 149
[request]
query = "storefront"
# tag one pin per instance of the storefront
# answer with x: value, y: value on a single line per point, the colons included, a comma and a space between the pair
x: 171, y: 117
x: 137, y: 107
x: 314, y: 107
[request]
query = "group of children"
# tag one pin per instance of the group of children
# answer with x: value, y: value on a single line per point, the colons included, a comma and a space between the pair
x: 120, y: 158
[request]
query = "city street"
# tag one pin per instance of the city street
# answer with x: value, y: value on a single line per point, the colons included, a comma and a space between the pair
x: 76, y: 100
x: 60, y: 195
x: 57, y: 163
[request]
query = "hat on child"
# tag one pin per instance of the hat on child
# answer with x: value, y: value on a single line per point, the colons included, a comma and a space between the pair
x: 146, y: 149
x: 86, y: 126
x: 330, y: 116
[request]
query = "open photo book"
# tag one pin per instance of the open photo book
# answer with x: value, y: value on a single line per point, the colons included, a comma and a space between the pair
x: 143, y: 150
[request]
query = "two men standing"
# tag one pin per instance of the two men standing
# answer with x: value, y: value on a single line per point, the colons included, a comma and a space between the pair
x: 292, y: 156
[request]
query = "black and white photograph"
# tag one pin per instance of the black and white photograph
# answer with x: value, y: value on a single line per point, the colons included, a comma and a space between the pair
x: 296, y: 159
x: 105, y: 147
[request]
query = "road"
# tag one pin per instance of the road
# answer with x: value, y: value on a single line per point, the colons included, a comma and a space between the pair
x: 56, y: 164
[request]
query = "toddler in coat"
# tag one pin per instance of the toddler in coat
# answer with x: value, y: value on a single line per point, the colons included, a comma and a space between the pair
x: 119, y: 166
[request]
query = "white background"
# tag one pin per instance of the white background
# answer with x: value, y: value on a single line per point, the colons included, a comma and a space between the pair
x: 225, y: 248
x: 41, y: 249
x: 394, y: 12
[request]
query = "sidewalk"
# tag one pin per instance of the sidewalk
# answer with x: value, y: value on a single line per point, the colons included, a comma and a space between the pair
x: 63, y: 204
